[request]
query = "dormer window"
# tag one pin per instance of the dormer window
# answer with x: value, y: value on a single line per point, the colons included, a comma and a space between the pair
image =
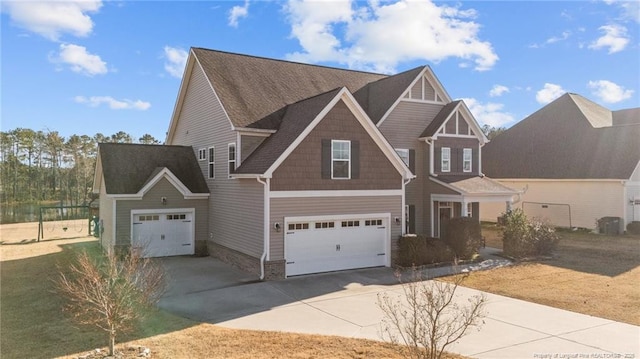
x: 446, y: 159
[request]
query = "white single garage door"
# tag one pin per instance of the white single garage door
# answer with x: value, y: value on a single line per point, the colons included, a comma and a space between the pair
x: 323, y: 244
x: 161, y: 234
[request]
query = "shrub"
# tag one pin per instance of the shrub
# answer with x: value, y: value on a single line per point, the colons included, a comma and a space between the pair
x: 633, y: 227
x: 515, y: 227
x: 464, y: 236
x: 420, y: 250
x: 523, y: 237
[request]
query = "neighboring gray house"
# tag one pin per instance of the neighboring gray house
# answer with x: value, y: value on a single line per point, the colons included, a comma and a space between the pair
x: 314, y: 169
x: 578, y: 161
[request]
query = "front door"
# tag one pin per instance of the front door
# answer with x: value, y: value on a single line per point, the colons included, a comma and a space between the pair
x: 445, y: 213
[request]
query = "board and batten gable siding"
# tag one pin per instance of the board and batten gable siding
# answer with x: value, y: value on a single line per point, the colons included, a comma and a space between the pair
x: 235, y: 206
x: 106, y: 216
x: 589, y: 200
x: 151, y: 201
x: 401, y: 128
x: 329, y: 206
x: 302, y: 169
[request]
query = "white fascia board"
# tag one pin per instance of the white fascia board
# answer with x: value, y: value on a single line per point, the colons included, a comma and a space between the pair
x: 165, y: 173
x: 97, y: 174
x: 246, y: 175
x: 192, y: 60
x: 182, y: 92
x: 336, y: 193
x: 426, y: 71
x: 474, y: 123
x: 259, y: 132
x: 364, y: 120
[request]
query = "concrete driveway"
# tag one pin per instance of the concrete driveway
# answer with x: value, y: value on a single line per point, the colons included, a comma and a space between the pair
x: 344, y: 304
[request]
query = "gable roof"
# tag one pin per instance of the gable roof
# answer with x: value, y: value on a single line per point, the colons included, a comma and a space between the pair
x: 292, y: 121
x: 298, y: 120
x: 445, y: 113
x: 128, y: 168
x: 567, y: 139
x: 251, y: 88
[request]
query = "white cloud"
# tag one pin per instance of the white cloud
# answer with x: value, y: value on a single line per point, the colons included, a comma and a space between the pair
x: 379, y: 35
x: 176, y: 60
x: 51, y: 19
x: 630, y: 9
x: 125, y: 104
x: 238, y: 12
x: 615, y: 38
x: 608, y: 91
x: 79, y: 60
x: 491, y: 114
x: 552, y: 40
x: 549, y: 93
x: 498, y: 90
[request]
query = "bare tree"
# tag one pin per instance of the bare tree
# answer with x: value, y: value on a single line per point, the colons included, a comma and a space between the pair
x: 429, y: 317
x: 111, y: 292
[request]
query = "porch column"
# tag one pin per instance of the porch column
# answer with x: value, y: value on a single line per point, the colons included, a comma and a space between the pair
x: 463, y: 210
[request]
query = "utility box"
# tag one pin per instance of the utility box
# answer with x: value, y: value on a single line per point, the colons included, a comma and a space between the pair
x: 610, y: 225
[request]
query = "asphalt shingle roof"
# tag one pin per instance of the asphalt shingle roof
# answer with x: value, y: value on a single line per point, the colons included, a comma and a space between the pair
x: 128, y: 167
x: 570, y: 138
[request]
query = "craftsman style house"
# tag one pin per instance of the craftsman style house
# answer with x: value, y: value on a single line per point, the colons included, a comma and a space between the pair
x: 312, y: 169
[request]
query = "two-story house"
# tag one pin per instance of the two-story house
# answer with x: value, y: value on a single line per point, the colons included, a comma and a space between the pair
x: 312, y: 169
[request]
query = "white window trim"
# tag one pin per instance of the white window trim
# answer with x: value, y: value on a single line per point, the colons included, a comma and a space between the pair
x: 341, y: 160
x: 211, y: 163
x: 202, y: 154
x: 405, y: 154
x: 465, y: 160
x: 229, y: 160
x: 447, y: 160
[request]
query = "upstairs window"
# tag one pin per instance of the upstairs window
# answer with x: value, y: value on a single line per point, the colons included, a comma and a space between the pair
x: 404, y: 155
x: 466, y: 159
x: 202, y: 154
x: 232, y: 158
x: 445, y: 159
x: 340, y: 159
x: 212, y: 162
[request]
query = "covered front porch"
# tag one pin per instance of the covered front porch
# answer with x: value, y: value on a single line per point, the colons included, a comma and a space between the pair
x: 462, y: 197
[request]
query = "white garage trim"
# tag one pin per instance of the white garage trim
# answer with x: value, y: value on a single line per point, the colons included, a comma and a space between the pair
x: 164, y: 211
x: 362, y: 217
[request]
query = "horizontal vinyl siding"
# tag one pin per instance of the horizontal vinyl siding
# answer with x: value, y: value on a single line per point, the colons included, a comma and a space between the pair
x: 402, y: 128
x: 237, y: 217
x: 589, y: 200
x: 151, y: 201
x: 295, y: 207
x: 106, y: 217
x: 235, y: 206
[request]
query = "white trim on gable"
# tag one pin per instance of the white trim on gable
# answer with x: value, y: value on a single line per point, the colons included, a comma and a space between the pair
x: 97, y: 175
x: 182, y: 93
x: 437, y: 85
x: 366, y: 123
x: 169, y: 176
x: 474, y: 127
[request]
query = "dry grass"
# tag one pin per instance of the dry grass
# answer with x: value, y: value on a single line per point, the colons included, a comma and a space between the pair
x: 591, y: 274
x: 33, y: 326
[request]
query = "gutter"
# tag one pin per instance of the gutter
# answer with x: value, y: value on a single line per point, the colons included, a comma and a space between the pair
x: 265, y: 247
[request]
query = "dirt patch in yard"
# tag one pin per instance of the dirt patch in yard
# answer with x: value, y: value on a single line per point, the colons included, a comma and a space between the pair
x: 590, y: 273
x: 33, y: 326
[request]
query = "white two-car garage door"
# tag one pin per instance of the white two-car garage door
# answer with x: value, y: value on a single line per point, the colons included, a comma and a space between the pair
x: 163, y: 233
x: 323, y: 244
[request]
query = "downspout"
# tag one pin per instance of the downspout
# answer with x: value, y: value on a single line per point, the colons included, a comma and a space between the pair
x: 429, y: 142
x: 265, y: 248
x: 403, y: 231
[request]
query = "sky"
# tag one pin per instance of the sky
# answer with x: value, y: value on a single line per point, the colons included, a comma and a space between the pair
x: 87, y: 67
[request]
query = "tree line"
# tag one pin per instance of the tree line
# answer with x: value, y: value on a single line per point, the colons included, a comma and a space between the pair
x: 42, y: 166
